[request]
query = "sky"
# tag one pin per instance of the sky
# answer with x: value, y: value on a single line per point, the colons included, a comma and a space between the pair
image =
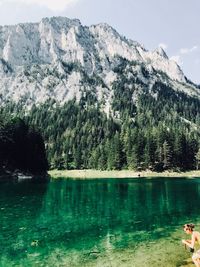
x: 171, y: 24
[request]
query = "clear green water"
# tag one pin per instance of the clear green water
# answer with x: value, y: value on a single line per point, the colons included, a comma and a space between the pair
x: 108, y: 222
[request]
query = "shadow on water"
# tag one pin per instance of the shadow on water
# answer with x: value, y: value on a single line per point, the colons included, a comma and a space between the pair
x: 20, y: 206
x: 83, y: 220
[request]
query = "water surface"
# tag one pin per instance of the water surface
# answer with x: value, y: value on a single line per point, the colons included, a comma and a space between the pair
x: 100, y: 222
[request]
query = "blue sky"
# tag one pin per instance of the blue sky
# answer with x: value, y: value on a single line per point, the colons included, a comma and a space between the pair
x: 172, y: 24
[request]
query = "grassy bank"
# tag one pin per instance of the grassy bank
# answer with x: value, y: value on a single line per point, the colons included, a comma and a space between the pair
x: 88, y: 174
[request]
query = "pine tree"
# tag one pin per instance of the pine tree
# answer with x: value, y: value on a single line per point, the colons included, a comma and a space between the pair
x: 197, y: 157
x: 102, y: 161
x: 166, y: 155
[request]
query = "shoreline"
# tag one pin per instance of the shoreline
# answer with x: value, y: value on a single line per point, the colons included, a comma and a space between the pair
x: 93, y: 174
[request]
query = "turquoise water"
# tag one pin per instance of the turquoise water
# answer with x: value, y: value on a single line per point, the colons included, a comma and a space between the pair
x: 100, y: 222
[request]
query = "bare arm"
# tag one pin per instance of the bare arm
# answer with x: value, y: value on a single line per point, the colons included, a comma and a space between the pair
x: 189, y: 243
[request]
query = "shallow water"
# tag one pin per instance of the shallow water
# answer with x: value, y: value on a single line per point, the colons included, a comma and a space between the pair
x: 104, y: 222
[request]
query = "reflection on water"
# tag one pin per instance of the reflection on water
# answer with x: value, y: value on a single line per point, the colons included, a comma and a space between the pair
x: 108, y: 222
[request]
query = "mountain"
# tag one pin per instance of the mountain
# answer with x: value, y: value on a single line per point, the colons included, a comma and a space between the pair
x: 100, y: 100
x: 60, y: 59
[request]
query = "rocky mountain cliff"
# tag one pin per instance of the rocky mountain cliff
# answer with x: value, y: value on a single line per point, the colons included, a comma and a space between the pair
x: 101, y: 101
x: 60, y: 58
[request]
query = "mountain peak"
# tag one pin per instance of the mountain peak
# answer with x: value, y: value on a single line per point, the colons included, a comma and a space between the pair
x: 58, y: 56
x: 103, y: 25
x: 105, y: 28
x: 61, y: 21
x: 161, y: 52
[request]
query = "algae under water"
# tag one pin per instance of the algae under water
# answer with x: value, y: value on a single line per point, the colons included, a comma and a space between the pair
x: 99, y: 222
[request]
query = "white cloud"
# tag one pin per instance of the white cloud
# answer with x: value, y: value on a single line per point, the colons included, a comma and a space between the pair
x: 183, y: 51
x: 163, y: 46
x: 54, y: 5
x: 188, y: 50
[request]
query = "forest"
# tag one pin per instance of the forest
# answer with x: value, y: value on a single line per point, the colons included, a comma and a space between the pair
x: 22, y: 147
x: 160, y: 131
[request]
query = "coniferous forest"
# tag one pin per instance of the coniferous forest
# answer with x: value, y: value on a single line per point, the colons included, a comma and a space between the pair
x: 160, y: 131
x: 21, y: 147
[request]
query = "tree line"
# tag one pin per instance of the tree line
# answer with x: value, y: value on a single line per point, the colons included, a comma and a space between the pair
x: 159, y: 131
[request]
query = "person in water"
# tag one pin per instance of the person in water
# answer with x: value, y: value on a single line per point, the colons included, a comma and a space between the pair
x: 195, y: 237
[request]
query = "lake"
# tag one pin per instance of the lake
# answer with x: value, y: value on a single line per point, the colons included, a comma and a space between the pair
x: 98, y: 222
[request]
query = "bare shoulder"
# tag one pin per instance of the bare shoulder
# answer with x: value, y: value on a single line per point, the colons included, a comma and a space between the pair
x: 196, y: 234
